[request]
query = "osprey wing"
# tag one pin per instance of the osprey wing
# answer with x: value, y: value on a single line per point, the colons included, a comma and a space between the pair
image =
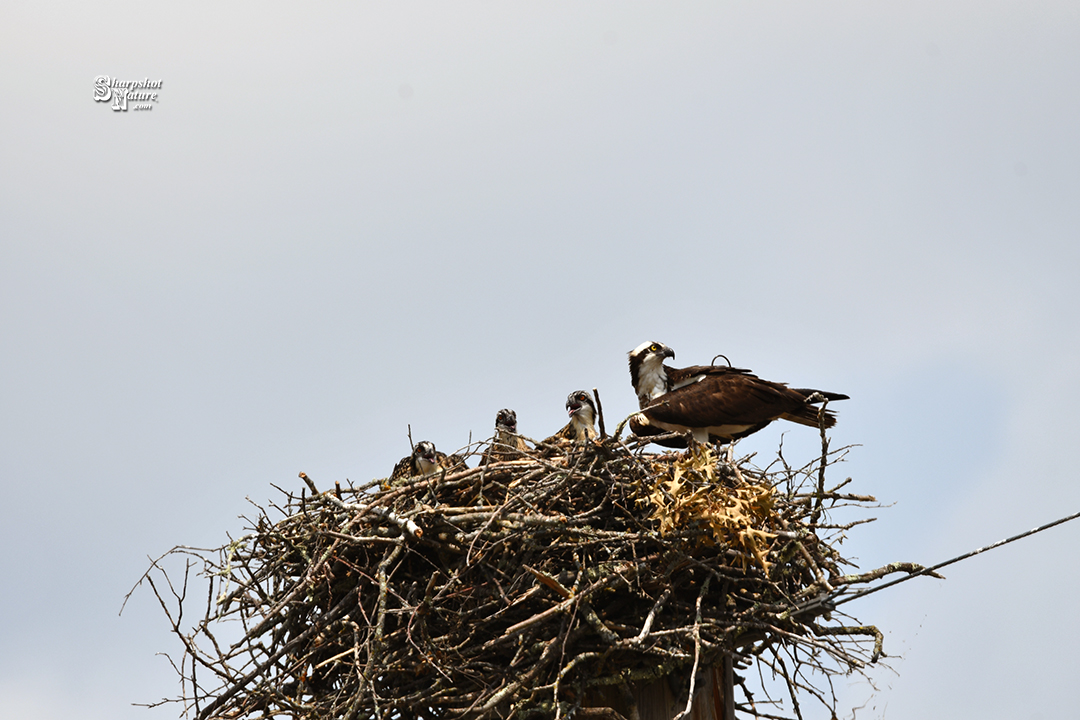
x: 681, y: 377
x: 562, y: 439
x: 402, y: 470
x: 453, y: 463
x: 730, y: 405
x: 724, y: 399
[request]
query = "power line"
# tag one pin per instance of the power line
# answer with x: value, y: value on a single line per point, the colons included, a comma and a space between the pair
x: 837, y: 600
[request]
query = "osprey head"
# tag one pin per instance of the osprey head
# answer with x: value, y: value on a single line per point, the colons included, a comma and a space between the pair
x: 647, y: 372
x: 650, y: 352
x: 579, y: 405
x: 424, y: 457
x: 506, y: 420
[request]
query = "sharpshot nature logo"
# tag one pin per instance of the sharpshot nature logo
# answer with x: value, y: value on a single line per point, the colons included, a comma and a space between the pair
x: 142, y: 94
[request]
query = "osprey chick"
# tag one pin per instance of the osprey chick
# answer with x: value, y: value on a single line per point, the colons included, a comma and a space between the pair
x: 582, y: 411
x: 425, y: 460
x: 715, y: 403
x: 507, y: 444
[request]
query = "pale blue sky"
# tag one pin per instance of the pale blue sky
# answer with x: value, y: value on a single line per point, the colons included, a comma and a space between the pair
x: 342, y: 219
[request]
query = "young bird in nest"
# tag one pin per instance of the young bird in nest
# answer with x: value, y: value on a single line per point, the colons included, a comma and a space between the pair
x: 507, y: 444
x: 425, y: 460
x: 582, y: 426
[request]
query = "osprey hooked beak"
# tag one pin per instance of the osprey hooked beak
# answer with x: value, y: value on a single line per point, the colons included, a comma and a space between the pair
x: 575, y: 402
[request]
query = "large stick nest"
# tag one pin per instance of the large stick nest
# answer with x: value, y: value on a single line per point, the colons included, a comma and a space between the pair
x: 523, y: 588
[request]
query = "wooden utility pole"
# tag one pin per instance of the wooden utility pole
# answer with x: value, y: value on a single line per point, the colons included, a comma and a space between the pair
x: 714, y: 698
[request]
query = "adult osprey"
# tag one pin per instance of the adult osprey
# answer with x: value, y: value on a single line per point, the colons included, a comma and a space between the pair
x: 582, y: 426
x: 507, y: 444
x: 714, y: 403
x: 425, y: 460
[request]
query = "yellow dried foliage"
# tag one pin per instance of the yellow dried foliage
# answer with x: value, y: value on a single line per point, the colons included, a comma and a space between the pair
x: 689, y: 495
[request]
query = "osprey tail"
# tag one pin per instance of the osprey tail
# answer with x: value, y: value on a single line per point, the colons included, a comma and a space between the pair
x: 808, y: 413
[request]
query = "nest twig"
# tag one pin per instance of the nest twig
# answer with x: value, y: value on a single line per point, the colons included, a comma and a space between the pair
x: 523, y: 588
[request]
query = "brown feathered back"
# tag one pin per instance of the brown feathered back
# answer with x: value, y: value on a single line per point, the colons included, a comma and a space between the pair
x: 731, y: 403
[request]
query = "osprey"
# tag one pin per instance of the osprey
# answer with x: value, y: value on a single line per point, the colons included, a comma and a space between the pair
x: 425, y: 460
x: 714, y: 403
x: 582, y: 411
x: 507, y: 444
